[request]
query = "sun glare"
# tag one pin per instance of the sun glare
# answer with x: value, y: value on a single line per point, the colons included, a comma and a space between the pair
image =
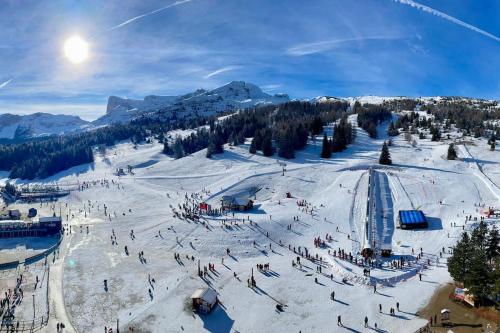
x: 76, y: 49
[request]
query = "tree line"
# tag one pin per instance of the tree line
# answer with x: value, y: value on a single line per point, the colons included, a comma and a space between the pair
x: 343, y: 135
x: 370, y: 116
x: 284, y: 129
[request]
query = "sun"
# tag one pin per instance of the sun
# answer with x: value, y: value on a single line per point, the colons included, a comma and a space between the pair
x: 76, y: 49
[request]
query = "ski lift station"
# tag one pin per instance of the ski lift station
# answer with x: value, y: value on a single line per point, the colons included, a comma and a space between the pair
x: 412, y: 219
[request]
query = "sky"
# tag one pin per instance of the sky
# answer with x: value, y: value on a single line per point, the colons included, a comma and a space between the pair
x: 303, y: 48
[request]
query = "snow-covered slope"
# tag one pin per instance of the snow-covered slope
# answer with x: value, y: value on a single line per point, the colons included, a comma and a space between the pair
x: 38, y: 124
x: 232, y: 96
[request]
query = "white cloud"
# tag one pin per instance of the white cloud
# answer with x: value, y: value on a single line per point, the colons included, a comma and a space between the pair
x: 177, y: 3
x: 4, y: 84
x: 326, y: 45
x: 447, y: 17
x: 221, y: 70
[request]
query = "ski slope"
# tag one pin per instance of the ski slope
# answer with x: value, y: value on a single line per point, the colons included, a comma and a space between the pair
x: 334, y: 192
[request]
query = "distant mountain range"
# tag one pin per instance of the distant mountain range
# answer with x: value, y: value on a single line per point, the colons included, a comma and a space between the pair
x: 232, y: 96
x: 39, y: 124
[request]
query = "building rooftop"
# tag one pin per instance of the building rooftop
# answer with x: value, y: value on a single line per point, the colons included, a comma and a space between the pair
x: 412, y: 216
x: 206, y: 294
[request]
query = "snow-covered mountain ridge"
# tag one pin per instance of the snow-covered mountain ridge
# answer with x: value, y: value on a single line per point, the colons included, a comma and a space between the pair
x: 232, y: 96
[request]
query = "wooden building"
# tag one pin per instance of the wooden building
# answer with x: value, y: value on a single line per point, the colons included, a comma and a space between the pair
x: 204, y: 300
x: 236, y: 203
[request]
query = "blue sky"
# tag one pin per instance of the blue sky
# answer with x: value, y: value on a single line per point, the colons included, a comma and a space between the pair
x: 303, y: 48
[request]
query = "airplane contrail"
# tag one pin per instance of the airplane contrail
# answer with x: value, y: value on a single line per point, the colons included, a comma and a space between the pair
x: 177, y: 3
x: 221, y: 70
x: 447, y: 17
x: 4, y: 84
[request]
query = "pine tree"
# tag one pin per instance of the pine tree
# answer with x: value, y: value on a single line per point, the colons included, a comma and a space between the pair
x: 478, y: 279
x: 316, y: 126
x: 392, y: 130
x: 458, y: 263
x: 218, y: 140
x: 178, y: 150
x: 385, y: 156
x: 326, y: 149
x: 436, y: 134
x: 253, y: 148
x: 166, y: 148
x: 479, y: 237
x: 267, y: 146
x: 493, y: 244
x: 210, y: 151
x: 496, y: 278
x: 371, y: 128
x: 452, y: 153
x: 257, y: 140
x: 285, y: 144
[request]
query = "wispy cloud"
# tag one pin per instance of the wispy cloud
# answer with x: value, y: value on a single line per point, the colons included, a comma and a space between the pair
x: 326, y: 45
x: 270, y: 87
x: 177, y: 3
x: 447, y: 17
x: 220, y: 71
x: 4, y: 84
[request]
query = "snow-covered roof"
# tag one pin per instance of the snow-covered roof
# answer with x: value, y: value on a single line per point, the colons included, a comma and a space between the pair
x: 206, y: 294
x: 241, y: 201
x: 50, y: 219
x: 12, y: 222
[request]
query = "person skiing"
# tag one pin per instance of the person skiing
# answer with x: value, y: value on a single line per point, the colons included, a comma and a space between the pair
x: 332, y: 295
x: 339, y: 321
x: 366, y: 321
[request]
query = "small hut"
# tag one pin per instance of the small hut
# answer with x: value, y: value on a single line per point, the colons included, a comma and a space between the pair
x: 204, y: 300
x: 445, y: 314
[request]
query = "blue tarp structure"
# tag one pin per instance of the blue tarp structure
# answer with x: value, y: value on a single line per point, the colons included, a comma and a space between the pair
x: 409, y: 219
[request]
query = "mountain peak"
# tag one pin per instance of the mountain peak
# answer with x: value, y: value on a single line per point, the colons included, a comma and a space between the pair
x: 231, y: 96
